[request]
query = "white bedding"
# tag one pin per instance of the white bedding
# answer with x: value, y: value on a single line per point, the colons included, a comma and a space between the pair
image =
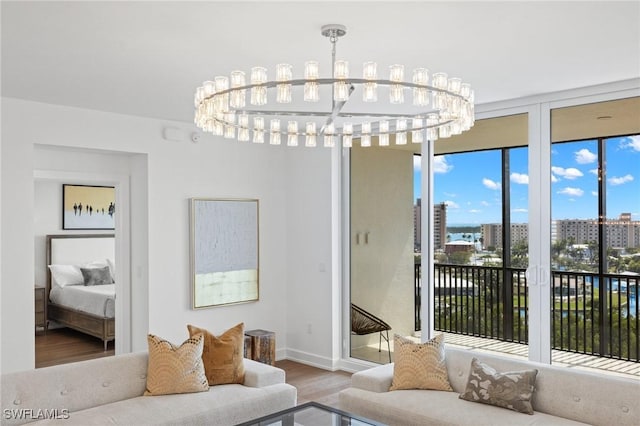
x: 97, y: 299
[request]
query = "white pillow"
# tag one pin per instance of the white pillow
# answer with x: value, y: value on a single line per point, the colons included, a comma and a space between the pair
x: 64, y: 275
x: 112, y: 269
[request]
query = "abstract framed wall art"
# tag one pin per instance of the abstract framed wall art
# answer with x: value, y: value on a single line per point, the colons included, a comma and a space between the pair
x: 224, y: 251
x: 88, y: 207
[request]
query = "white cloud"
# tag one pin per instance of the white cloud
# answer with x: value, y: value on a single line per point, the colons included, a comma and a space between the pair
x: 417, y: 162
x: 475, y: 211
x: 620, y: 180
x: 632, y: 142
x: 491, y: 184
x: 520, y: 178
x: 574, y: 192
x: 594, y: 172
x: 440, y: 164
x: 519, y: 210
x: 570, y: 173
x: 485, y: 203
x: 584, y: 156
x: 554, y: 179
x: 450, y: 194
x: 452, y: 204
x: 594, y: 193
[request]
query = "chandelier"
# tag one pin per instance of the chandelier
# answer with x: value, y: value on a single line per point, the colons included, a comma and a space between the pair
x: 221, y: 105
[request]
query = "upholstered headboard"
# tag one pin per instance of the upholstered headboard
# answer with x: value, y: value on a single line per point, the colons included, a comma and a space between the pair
x: 78, y: 249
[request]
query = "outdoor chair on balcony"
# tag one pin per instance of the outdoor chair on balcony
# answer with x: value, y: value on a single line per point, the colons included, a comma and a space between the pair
x: 363, y: 322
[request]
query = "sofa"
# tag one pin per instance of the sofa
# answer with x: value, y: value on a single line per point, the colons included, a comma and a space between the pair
x: 562, y: 396
x: 109, y: 390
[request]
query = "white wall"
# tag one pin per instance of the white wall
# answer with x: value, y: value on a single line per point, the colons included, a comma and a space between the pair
x: 382, y: 240
x: 175, y: 172
x: 310, y: 303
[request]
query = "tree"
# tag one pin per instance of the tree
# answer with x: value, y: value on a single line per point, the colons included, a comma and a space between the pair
x: 520, y: 255
x: 460, y: 258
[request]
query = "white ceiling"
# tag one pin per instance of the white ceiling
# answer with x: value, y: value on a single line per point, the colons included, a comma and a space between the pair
x: 146, y: 58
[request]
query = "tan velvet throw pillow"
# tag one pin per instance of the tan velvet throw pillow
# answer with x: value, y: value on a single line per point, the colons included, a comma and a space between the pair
x: 419, y: 365
x: 512, y: 389
x: 223, y: 355
x: 175, y: 369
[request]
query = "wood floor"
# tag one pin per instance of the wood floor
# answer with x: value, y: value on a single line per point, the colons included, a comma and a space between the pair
x: 315, y: 384
x: 64, y: 345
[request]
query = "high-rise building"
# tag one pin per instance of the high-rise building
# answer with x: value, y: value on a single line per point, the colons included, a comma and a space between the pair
x: 439, y: 225
x: 417, y: 226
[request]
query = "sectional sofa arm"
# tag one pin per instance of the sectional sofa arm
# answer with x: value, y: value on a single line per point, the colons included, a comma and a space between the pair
x: 377, y: 379
x: 258, y: 375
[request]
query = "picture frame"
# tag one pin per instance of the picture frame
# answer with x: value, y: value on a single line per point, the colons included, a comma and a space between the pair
x: 87, y: 207
x: 224, y: 251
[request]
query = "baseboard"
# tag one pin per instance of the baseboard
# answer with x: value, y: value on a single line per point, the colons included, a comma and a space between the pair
x: 352, y: 365
x: 312, y: 360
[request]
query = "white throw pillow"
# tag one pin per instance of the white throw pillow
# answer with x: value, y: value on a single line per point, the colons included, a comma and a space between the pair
x: 112, y: 269
x: 63, y: 275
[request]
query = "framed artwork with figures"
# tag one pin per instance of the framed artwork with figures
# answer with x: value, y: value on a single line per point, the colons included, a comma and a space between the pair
x: 88, y: 207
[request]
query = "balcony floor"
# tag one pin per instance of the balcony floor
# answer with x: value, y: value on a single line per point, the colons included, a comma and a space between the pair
x: 516, y: 350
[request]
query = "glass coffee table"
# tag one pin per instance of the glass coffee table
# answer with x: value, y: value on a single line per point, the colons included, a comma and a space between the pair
x: 311, y: 414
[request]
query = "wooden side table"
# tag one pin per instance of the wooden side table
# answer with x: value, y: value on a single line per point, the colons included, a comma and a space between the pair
x: 247, y: 346
x: 40, y: 307
x: 263, y: 346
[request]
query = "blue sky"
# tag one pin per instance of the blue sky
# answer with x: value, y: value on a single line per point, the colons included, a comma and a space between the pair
x: 470, y: 183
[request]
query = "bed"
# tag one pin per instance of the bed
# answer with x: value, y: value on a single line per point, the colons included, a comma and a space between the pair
x: 89, y: 309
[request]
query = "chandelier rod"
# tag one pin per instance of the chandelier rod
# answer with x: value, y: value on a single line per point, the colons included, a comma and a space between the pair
x: 334, y: 32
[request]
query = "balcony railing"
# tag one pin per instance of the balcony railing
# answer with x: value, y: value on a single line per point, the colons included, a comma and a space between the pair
x: 492, y: 302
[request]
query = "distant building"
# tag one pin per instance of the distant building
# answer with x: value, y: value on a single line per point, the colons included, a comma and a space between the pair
x: 458, y: 246
x: 492, y: 234
x: 417, y: 226
x: 621, y: 232
x: 439, y: 225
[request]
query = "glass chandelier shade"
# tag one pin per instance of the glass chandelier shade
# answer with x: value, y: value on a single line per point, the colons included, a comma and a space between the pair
x: 444, y: 105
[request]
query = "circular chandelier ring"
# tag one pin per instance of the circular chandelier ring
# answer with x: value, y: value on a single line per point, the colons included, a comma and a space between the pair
x: 356, y: 133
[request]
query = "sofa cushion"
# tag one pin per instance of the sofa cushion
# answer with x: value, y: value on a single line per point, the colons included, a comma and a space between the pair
x: 429, y: 407
x: 420, y: 365
x: 512, y: 389
x: 175, y: 369
x: 222, y: 355
x: 220, y: 406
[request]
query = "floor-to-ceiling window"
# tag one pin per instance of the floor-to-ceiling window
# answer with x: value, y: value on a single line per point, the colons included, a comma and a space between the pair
x: 595, y: 244
x: 481, y: 197
x: 472, y: 190
x: 481, y: 263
